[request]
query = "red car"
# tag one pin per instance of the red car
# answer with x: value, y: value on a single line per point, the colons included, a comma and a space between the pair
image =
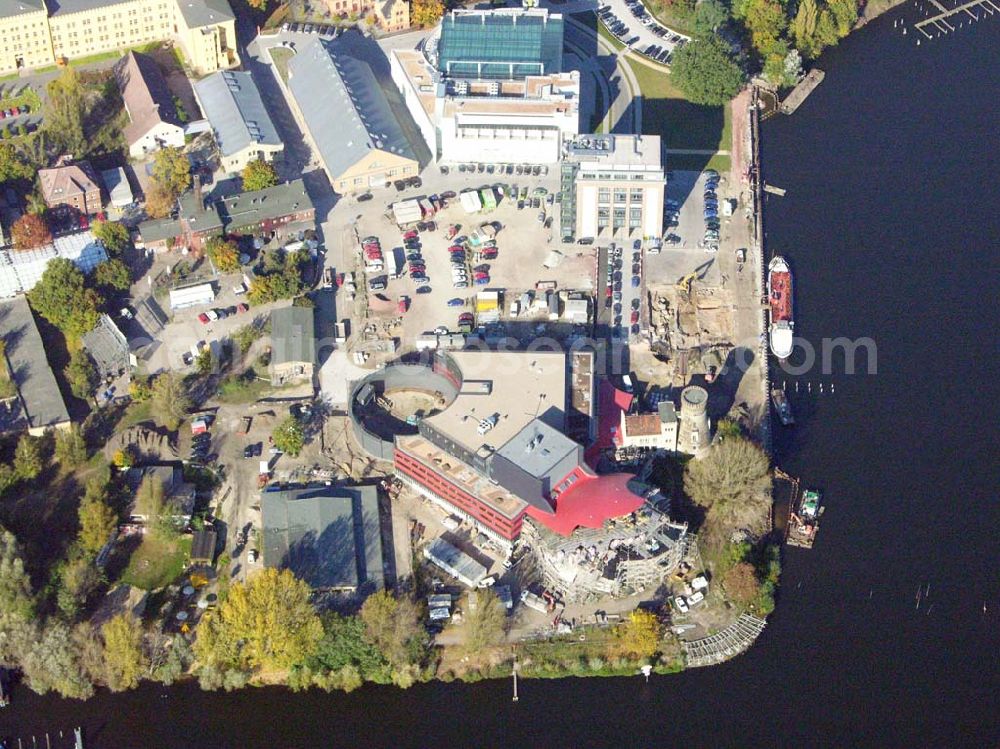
x: 411, y: 234
x: 203, y: 319
x: 607, y: 292
x: 490, y: 254
x: 456, y: 248
x: 373, y: 253
x: 372, y: 246
x: 242, y: 308
x: 480, y: 276
x: 465, y: 317
x: 635, y: 316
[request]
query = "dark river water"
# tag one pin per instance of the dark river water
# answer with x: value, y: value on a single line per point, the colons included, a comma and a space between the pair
x: 892, y: 226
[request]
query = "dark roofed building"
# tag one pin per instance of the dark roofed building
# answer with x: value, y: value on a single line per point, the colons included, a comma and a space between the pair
x: 72, y: 187
x: 199, y: 218
x: 533, y: 461
x: 329, y: 537
x: 276, y: 209
x: 36, y: 403
x: 153, y: 120
x: 178, y: 494
x: 198, y: 13
x: 366, y: 147
x: 159, y: 234
x: 203, y: 546
x: 293, y: 345
x: 277, y: 212
x: 240, y: 122
x: 508, y: 43
x: 108, y: 347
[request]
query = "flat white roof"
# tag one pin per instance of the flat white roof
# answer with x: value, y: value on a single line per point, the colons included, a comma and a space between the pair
x: 522, y: 385
x: 191, y: 295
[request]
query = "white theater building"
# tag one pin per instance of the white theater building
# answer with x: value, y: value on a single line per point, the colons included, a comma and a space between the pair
x: 494, y: 108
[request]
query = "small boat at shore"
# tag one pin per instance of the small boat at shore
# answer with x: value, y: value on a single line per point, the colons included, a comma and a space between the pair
x: 803, y: 520
x: 782, y: 406
x: 779, y: 294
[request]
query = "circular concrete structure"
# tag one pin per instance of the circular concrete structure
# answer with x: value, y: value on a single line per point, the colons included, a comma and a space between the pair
x: 381, y: 402
x: 694, y: 400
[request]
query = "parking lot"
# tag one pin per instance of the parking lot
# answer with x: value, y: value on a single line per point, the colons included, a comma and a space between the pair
x: 186, y: 330
x: 620, y: 299
x: 633, y: 26
x: 524, y: 246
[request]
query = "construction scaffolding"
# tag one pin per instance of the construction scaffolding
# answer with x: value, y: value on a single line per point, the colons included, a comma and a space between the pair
x: 625, y: 556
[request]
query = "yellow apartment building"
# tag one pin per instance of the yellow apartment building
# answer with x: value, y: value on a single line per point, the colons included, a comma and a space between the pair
x: 35, y: 34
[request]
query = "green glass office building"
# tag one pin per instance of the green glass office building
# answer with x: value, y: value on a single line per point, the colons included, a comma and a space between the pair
x: 500, y: 45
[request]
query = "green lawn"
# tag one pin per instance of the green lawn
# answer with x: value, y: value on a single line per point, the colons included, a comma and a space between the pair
x: 665, y: 112
x: 682, y: 124
x: 281, y: 56
x: 237, y: 390
x: 136, y: 413
x: 159, y: 560
x: 659, y: 10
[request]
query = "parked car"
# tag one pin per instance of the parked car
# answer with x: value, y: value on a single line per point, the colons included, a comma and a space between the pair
x: 423, y: 289
x: 365, y: 197
x: 456, y: 302
x: 635, y: 282
x: 204, y: 318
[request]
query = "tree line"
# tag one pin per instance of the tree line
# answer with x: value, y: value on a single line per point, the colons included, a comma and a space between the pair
x: 770, y: 37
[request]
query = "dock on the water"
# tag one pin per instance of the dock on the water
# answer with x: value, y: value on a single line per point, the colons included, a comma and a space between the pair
x: 771, y: 189
x: 940, y: 23
x: 799, y: 94
x: 723, y: 645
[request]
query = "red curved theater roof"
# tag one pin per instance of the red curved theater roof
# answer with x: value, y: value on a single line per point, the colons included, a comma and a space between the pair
x: 589, y: 502
x: 612, y: 402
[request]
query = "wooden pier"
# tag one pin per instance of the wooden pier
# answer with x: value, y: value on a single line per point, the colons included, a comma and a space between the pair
x: 723, y: 645
x: 806, y: 86
x: 941, y: 23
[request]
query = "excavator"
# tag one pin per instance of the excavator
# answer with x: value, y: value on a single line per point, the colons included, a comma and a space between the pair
x: 687, y: 282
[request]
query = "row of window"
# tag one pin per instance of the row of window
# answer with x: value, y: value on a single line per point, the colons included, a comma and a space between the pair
x: 620, y: 196
x: 453, y: 494
x: 619, y: 213
x: 617, y: 177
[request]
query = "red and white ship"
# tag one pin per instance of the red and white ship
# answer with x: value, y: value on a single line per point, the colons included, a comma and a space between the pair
x: 779, y: 293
